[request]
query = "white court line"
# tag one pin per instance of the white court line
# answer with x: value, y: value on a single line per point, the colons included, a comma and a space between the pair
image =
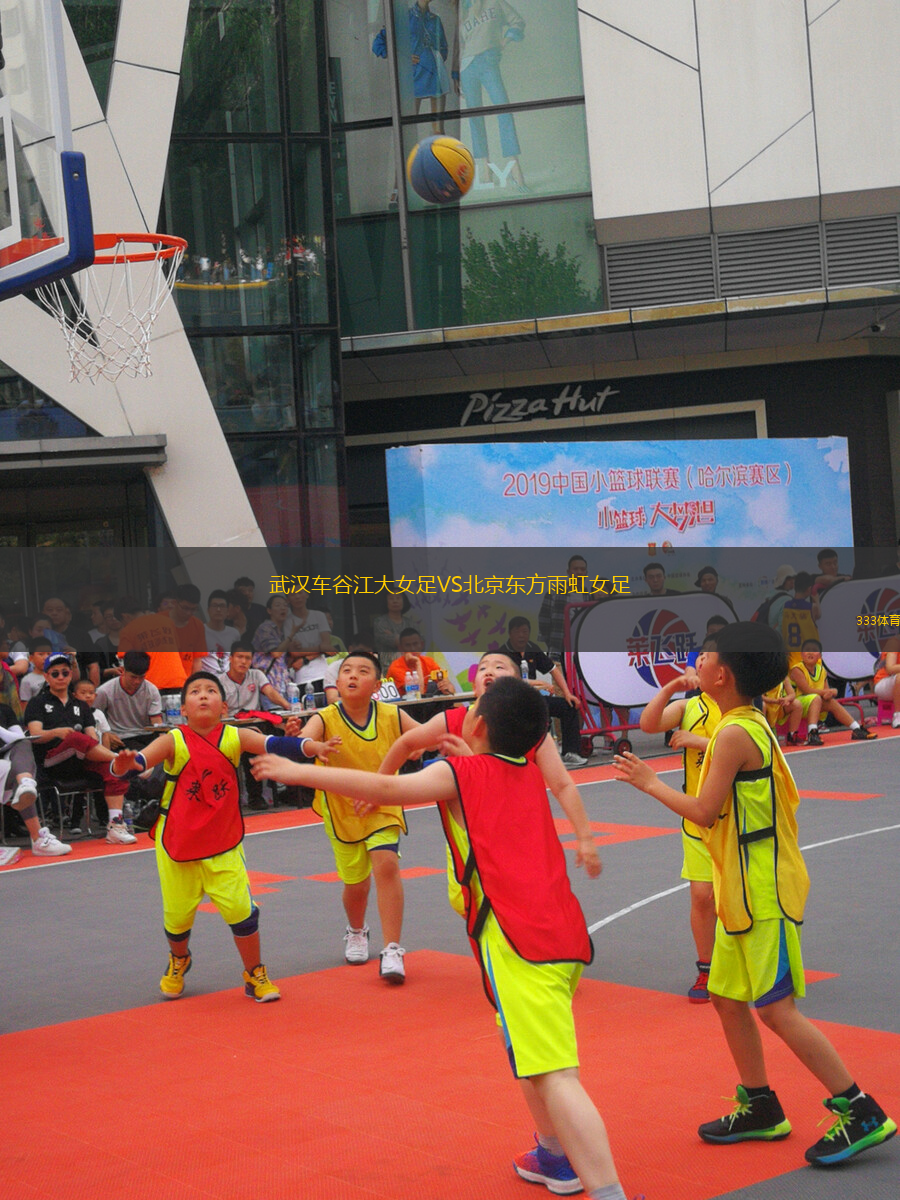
x: 623, y: 912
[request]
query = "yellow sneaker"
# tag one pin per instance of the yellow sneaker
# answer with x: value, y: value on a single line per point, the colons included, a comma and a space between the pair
x: 258, y: 986
x: 172, y: 983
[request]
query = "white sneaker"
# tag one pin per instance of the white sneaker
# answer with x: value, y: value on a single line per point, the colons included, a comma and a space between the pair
x: 895, y: 721
x: 574, y: 760
x: 356, y: 949
x: 117, y: 834
x: 48, y: 846
x: 392, y: 968
x: 27, y: 787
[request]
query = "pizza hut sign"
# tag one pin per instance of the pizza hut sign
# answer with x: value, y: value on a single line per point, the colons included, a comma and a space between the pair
x: 492, y: 409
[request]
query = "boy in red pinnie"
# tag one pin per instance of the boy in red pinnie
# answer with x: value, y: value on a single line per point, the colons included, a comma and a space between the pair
x: 200, y: 831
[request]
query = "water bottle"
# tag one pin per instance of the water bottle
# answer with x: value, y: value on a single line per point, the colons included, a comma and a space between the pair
x: 173, y: 709
x: 412, y: 686
x: 128, y: 815
x: 523, y: 667
x: 292, y: 691
x: 309, y: 697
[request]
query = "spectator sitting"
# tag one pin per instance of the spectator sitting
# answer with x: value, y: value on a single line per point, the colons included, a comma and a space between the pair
x: 236, y: 617
x: 31, y: 684
x: 387, y: 627
x: 190, y: 631
x: 828, y: 572
x: 65, y: 745
x: 18, y: 636
x: 155, y: 633
x: 65, y: 624
x: 18, y: 787
x: 244, y: 687
x: 782, y: 701
x: 810, y: 678
x: 412, y: 659
x: 130, y: 701
x: 887, y: 677
x: 655, y: 579
x: 40, y: 627
x: 219, y: 636
x: 521, y: 649
x: 256, y: 614
x: 271, y: 640
x: 310, y: 642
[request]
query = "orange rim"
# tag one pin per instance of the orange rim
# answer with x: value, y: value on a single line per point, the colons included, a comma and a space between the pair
x: 166, y: 245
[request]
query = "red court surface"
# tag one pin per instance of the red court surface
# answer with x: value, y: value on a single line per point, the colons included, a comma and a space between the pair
x: 348, y: 1088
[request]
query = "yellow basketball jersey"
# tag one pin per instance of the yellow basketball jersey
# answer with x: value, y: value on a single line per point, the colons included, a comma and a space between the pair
x: 701, y: 716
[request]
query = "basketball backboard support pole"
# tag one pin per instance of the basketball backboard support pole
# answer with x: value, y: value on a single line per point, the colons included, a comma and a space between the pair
x: 46, y: 231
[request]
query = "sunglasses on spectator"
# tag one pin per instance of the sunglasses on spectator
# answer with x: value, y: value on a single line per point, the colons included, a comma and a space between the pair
x: 60, y: 672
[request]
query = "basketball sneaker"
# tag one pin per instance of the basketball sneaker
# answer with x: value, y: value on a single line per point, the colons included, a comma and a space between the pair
x: 356, y: 945
x: 814, y: 738
x: 699, y: 993
x: 862, y: 734
x: 48, y: 846
x: 754, y: 1118
x: 794, y: 739
x: 117, y: 833
x: 553, y: 1171
x: 391, y: 967
x: 172, y: 983
x: 858, y: 1125
x: 258, y: 986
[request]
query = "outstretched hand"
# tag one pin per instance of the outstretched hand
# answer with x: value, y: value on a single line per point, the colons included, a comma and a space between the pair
x: 325, y: 749
x: 272, y: 766
x: 633, y: 770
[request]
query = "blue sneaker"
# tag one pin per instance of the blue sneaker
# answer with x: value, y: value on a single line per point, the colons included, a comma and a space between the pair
x: 554, y: 1172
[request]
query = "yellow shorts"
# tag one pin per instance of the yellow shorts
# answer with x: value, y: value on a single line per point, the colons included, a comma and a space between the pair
x: 223, y: 878
x: 805, y: 702
x: 760, y: 966
x: 697, y: 865
x: 534, y: 1005
x: 352, y: 858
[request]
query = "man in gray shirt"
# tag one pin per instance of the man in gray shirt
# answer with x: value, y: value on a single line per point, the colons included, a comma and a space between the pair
x: 130, y: 701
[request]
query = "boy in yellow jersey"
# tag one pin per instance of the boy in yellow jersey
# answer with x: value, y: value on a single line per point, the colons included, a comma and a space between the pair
x: 799, y: 616
x: 811, y: 680
x: 693, y: 718
x: 525, y: 926
x: 746, y: 806
x: 361, y: 731
x: 200, y: 831
x: 782, y: 701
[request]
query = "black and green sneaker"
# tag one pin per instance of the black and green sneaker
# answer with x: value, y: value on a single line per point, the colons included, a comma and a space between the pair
x: 858, y: 1125
x: 754, y: 1118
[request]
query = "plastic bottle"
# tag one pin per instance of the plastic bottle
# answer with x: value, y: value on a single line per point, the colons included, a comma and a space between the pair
x: 292, y: 692
x: 173, y: 711
x: 309, y: 697
x: 412, y: 686
x: 128, y: 815
x: 523, y: 667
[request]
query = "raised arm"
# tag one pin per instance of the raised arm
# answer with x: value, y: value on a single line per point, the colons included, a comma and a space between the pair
x: 662, y: 714
x: 415, y: 739
x: 412, y: 791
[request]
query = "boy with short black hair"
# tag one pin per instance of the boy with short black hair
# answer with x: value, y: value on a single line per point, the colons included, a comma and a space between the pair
x: 39, y: 649
x: 359, y: 730
x: 810, y: 679
x: 525, y: 926
x: 200, y: 831
x: 746, y: 806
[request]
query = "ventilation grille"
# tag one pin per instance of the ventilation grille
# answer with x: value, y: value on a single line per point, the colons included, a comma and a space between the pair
x: 862, y: 251
x: 648, y: 273
x: 760, y: 262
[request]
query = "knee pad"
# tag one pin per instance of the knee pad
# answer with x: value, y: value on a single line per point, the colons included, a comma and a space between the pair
x: 248, y: 926
x: 177, y: 937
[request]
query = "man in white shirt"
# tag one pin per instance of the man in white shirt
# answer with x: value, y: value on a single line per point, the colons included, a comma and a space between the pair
x: 244, y: 687
x: 219, y: 636
x: 130, y: 701
x: 311, y: 642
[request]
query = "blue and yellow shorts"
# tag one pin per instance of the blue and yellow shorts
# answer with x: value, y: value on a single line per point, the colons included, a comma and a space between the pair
x: 760, y: 966
x: 352, y: 858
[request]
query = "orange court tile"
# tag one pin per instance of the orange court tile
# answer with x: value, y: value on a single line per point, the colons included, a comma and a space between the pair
x: 218, y: 1098
x: 805, y: 794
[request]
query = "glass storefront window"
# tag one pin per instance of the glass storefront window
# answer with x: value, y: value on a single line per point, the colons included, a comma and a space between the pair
x: 268, y: 471
x: 323, y: 493
x: 226, y: 198
x: 302, y: 50
x: 28, y: 415
x: 427, y: 58
x: 517, y: 155
x: 308, y: 249
x: 228, y: 70
x: 360, y: 84
x: 249, y: 380
x: 317, y: 401
x: 365, y: 171
x: 370, y: 276
x: 531, y: 260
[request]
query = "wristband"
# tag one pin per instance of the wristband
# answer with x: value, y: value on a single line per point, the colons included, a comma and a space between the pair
x: 130, y: 774
x: 303, y: 742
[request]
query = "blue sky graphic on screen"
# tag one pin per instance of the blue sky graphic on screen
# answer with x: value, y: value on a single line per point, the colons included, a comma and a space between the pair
x: 753, y: 492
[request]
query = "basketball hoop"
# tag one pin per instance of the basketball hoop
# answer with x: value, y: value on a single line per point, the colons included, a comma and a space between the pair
x: 106, y: 311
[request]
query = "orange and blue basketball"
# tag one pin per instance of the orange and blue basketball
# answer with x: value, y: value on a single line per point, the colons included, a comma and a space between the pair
x: 440, y: 169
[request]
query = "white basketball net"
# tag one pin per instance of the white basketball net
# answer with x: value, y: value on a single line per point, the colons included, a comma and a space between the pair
x: 106, y: 311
